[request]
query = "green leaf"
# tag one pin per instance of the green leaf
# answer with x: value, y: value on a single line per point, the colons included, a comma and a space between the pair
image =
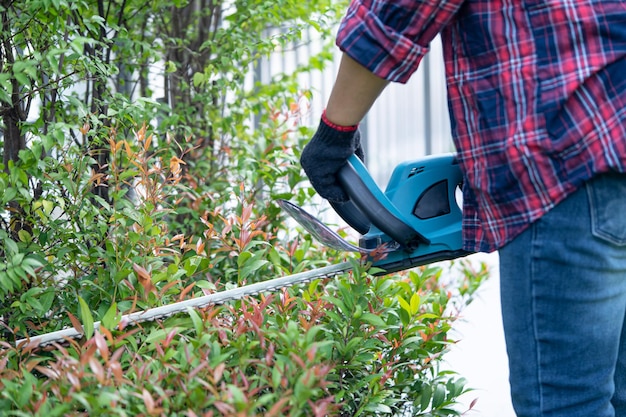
x: 251, y: 267
x: 404, y: 304
x: 170, y: 67
x: 11, y: 248
x: 415, y: 303
x: 427, y: 316
x: 243, y: 258
x: 48, y: 206
x: 24, y: 236
x: 379, y: 408
x: 48, y: 142
x: 46, y: 299
x: 199, y: 79
x: 8, y: 195
x: 111, y: 318
x: 6, y: 88
x: 85, y: 314
x: 439, y: 396
x: 197, y: 321
x: 351, y: 345
x: 26, y: 391
x: 237, y: 395
x: 456, y: 387
x: 21, y: 78
x: 425, y: 396
x: 373, y: 319
x: 339, y: 304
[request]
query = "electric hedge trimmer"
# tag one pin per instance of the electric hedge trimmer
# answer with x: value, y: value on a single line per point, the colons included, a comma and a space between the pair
x: 416, y: 221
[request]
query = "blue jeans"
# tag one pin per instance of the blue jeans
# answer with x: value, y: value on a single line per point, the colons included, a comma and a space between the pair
x: 563, y: 289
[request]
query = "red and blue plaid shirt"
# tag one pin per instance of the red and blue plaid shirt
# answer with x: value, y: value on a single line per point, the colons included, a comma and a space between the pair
x: 536, y: 90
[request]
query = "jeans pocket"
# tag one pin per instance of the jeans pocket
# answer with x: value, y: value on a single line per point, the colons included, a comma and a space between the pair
x: 607, y: 203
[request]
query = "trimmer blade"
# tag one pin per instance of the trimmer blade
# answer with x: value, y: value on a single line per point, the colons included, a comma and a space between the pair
x: 319, y: 230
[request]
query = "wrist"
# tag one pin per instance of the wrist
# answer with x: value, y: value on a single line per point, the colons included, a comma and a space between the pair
x: 338, y: 126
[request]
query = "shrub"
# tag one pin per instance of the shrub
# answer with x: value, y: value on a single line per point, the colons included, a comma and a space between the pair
x: 355, y: 345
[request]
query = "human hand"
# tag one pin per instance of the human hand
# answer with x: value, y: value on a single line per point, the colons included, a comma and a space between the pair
x: 325, y: 155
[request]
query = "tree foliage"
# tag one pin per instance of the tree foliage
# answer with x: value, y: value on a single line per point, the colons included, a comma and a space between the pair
x: 79, y: 80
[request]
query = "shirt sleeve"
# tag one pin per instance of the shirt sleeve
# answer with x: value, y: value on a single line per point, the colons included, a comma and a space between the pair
x: 390, y: 37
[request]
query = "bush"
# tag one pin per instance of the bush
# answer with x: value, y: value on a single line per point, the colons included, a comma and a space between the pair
x: 353, y: 345
x: 356, y: 345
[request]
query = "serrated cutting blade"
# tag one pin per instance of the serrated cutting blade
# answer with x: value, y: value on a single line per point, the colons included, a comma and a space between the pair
x: 220, y: 297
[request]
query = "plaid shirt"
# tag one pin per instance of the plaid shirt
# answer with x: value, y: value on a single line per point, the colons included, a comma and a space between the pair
x: 536, y: 90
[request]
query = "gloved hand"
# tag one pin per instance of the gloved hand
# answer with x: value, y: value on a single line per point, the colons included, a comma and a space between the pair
x: 326, y: 153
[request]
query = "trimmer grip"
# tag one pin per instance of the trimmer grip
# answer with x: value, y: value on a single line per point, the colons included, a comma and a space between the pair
x: 374, y: 205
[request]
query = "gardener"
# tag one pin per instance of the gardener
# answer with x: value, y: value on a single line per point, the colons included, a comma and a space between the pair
x: 537, y: 95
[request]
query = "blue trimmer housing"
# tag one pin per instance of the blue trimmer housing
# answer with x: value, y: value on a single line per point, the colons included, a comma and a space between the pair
x: 417, y: 213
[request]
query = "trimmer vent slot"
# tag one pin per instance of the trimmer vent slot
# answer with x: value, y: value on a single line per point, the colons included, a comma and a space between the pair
x: 415, y: 171
x: 433, y: 202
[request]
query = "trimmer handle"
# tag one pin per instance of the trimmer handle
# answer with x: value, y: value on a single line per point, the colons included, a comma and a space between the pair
x: 369, y: 205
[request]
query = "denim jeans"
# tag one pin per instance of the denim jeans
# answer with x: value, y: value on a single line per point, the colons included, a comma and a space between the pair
x: 563, y: 289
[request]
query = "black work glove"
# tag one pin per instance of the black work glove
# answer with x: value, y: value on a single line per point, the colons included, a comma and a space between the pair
x: 326, y: 153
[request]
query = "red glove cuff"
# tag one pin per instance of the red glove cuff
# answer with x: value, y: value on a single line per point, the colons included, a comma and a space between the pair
x: 337, y: 127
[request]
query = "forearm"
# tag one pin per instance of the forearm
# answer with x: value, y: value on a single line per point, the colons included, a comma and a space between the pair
x: 355, y: 90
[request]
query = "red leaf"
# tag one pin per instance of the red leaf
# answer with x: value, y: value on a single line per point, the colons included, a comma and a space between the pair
x: 47, y: 372
x: 144, y: 278
x: 102, y: 345
x: 76, y: 323
x: 116, y: 368
x: 96, y: 368
x: 277, y: 409
x: 473, y: 403
x: 218, y: 372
